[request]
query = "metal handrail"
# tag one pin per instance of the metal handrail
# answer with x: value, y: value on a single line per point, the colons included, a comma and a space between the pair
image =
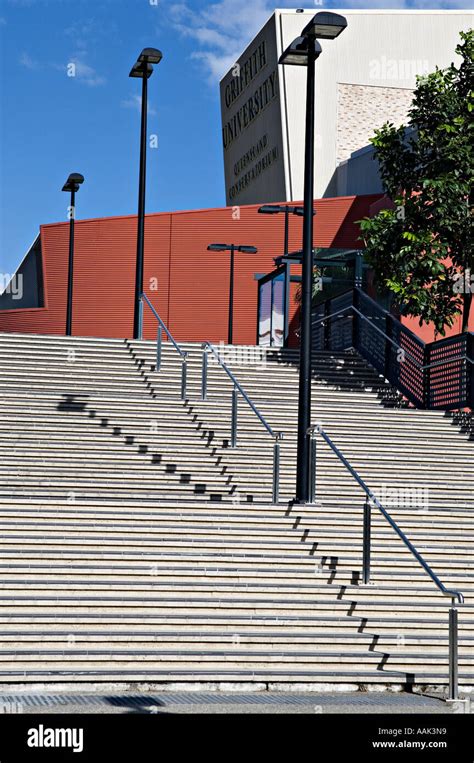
x: 421, y: 366
x: 208, y: 346
x: 163, y: 327
x: 448, y: 592
x: 456, y: 596
x: 237, y: 388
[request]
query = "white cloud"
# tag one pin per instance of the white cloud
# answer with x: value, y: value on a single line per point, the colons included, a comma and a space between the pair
x: 135, y: 102
x: 224, y: 28
x: 216, y: 64
x: 28, y: 62
x: 81, y: 71
x: 86, y: 37
x: 86, y: 73
x: 221, y: 31
x: 407, y: 4
x: 88, y: 34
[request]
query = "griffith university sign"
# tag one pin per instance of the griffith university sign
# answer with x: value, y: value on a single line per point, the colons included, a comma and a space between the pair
x: 251, y: 124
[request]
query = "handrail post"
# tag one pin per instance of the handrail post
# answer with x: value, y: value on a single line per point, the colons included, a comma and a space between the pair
x: 312, y: 466
x: 326, y: 325
x: 204, y: 374
x: 426, y: 376
x: 388, y: 348
x: 366, y: 543
x: 276, y: 470
x: 233, y: 432
x: 140, y: 317
x: 158, y: 347
x: 453, y: 652
x: 355, y: 320
x: 470, y: 369
x: 184, y: 377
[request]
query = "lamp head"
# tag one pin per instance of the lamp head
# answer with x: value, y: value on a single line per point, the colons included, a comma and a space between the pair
x: 325, y: 26
x: 150, y: 56
x: 270, y: 209
x: 218, y: 247
x: 73, y: 182
x: 248, y: 249
x: 297, y: 53
x: 140, y: 69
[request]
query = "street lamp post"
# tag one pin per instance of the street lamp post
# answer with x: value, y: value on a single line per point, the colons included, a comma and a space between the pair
x: 232, y: 248
x: 71, y: 186
x: 287, y: 209
x: 303, y: 52
x: 143, y: 70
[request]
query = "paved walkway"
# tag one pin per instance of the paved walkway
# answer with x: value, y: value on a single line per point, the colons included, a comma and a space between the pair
x: 216, y: 702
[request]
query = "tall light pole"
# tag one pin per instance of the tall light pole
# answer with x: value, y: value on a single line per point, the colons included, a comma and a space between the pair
x: 143, y: 70
x: 303, y: 52
x: 232, y: 248
x: 287, y: 209
x: 71, y: 186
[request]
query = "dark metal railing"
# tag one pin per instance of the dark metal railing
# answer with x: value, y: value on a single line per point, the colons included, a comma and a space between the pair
x: 159, y: 342
x: 372, y: 500
x: 237, y: 389
x: 435, y: 375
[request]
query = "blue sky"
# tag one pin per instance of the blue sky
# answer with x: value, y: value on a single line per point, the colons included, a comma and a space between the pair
x: 53, y: 124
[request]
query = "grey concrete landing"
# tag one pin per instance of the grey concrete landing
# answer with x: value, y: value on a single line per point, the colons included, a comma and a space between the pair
x: 226, y: 703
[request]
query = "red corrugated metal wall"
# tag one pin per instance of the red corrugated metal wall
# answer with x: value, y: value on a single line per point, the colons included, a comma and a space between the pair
x: 187, y: 284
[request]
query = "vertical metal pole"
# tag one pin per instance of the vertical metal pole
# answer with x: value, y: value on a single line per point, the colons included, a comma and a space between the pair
x: 141, y: 205
x: 312, y: 466
x: 470, y: 370
x: 366, y: 544
x: 327, y: 325
x: 233, y: 432
x: 184, y: 378
x: 230, y: 332
x: 355, y: 321
x: 427, y: 375
x: 391, y: 371
x: 140, y: 319
x: 204, y: 375
x: 276, y: 470
x: 304, y: 395
x: 287, y: 230
x: 287, y: 304
x: 159, y: 340
x: 453, y: 651
x: 286, y: 296
x: 70, y: 275
x: 358, y: 271
x: 272, y: 293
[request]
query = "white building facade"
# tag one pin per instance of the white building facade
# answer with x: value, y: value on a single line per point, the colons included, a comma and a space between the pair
x: 363, y: 78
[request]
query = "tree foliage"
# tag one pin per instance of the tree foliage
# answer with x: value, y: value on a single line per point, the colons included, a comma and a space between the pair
x: 422, y: 248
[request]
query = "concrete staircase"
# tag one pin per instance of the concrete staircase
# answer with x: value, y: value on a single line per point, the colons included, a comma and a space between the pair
x: 136, y: 545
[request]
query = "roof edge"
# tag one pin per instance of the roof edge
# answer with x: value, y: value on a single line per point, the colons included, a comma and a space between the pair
x: 203, y: 210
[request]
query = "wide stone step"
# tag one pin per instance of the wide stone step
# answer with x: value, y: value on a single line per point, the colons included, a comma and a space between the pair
x: 170, y: 564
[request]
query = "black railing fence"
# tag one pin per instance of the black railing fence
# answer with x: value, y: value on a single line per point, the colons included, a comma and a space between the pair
x: 435, y: 375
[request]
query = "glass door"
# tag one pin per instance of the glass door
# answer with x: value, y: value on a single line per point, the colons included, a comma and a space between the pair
x: 271, y: 309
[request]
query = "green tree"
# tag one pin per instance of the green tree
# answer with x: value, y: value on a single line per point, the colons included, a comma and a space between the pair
x: 422, y: 248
